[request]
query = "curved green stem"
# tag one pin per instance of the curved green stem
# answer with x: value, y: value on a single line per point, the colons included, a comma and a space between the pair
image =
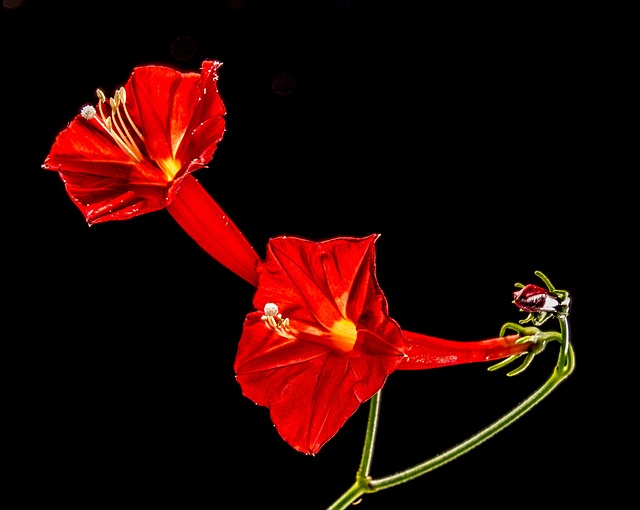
x: 365, y: 484
x: 559, y: 374
x: 362, y: 484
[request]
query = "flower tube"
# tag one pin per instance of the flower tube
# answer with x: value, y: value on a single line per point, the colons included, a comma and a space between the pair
x: 321, y: 341
x: 135, y: 153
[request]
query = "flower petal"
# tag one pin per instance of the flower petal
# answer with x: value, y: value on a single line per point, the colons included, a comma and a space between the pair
x: 100, y: 178
x: 181, y: 114
x: 313, y: 280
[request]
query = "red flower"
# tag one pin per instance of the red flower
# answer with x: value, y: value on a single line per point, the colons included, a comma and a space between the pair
x: 321, y: 341
x: 134, y: 153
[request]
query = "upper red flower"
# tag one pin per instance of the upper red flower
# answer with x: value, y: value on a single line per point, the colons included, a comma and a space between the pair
x: 134, y: 154
x: 321, y: 341
x: 128, y: 155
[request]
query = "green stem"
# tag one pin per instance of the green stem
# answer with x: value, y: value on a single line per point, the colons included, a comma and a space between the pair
x: 362, y: 484
x: 365, y: 484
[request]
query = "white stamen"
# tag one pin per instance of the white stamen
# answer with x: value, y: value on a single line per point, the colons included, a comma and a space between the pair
x: 273, y: 319
x: 88, y: 112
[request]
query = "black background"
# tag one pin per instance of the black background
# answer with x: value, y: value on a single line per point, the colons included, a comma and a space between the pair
x: 461, y: 136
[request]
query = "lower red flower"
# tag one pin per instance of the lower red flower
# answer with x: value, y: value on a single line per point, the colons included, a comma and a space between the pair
x: 321, y: 341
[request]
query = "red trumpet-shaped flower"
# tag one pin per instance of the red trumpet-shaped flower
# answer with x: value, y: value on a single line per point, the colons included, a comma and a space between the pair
x: 135, y: 152
x: 321, y: 341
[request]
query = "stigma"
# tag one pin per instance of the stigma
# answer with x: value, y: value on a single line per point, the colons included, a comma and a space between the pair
x: 88, y: 112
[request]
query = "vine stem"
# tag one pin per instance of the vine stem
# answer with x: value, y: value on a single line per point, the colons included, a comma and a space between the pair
x: 365, y: 484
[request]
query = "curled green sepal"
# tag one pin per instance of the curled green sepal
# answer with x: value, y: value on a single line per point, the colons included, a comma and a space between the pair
x: 538, y: 339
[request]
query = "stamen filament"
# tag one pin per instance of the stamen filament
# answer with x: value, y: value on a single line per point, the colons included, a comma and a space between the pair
x: 121, y: 127
x: 123, y: 94
x: 109, y: 128
x: 120, y: 124
x: 115, y: 125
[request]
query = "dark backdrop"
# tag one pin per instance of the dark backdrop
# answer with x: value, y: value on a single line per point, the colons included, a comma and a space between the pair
x: 459, y: 135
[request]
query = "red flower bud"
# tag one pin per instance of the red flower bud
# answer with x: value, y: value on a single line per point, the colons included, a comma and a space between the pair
x: 534, y: 299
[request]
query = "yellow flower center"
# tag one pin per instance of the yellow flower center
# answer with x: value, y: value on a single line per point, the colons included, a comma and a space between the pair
x: 170, y: 167
x: 343, y: 335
